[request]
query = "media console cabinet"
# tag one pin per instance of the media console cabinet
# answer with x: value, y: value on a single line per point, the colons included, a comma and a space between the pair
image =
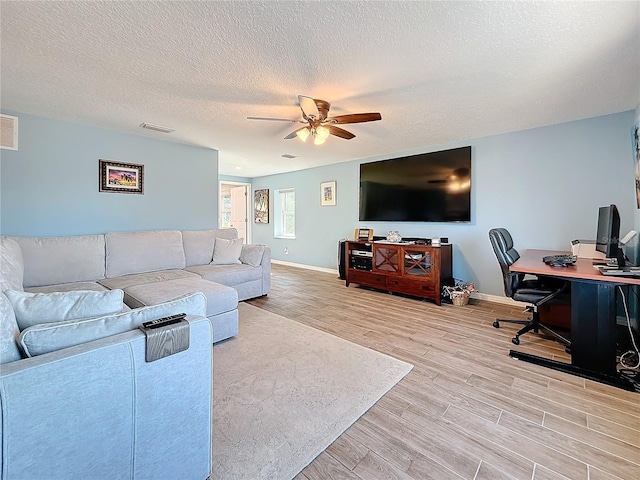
x: 411, y: 269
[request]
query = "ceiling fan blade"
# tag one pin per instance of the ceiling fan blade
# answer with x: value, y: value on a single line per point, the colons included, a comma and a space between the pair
x: 276, y: 119
x: 339, y: 132
x: 294, y: 133
x: 355, y: 118
x: 308, y: 107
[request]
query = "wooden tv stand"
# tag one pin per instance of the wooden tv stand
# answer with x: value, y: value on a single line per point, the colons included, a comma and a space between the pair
x: 417, y: 270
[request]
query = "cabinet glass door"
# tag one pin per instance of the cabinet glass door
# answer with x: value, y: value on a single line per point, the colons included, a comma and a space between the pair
x: 417, y: 262
x: 386, y: 259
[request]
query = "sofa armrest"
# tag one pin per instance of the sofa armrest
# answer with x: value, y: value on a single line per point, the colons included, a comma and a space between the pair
x: 98, y: 410
x: 266, y: 271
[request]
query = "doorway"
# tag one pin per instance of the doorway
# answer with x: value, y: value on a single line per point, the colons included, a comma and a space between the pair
x: 235, y: 208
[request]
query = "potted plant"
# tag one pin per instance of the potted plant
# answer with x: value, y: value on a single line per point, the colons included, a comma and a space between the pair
x: 459, y: 292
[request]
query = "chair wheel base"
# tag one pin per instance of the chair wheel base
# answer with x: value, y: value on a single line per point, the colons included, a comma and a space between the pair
x: 496, y: 324
x: 515, y: 341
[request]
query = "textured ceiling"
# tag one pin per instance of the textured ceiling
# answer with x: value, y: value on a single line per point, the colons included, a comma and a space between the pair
x: 438, y: 72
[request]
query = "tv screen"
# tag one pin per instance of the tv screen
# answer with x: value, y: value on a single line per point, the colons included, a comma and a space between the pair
x: 428, y: 187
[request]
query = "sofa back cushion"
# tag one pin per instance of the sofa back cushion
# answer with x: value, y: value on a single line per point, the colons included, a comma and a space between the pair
x: 11, y: 265
x: 141, y: 252
x: 198, y: 244
x: 9, y: 332
x: 52, y: 260
x: 35, y: 308
x: 49, y: 337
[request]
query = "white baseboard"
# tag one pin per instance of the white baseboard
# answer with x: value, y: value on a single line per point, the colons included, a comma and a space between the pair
x: 307, y: 267
x: 497, y: 299
x: 477, y: 295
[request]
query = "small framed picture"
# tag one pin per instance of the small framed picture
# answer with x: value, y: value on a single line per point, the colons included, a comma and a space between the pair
x: 363, y: 234
x: 116, y: 177
x: 328, y: 193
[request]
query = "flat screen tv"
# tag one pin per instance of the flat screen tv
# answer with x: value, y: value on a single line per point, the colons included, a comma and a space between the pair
x: 428, y: 187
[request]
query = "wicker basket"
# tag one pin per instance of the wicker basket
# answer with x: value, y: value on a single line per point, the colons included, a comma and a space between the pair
x: 461, y: 299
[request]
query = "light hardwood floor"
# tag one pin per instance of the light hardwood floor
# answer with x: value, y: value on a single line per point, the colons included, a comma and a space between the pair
x: 466, y: 410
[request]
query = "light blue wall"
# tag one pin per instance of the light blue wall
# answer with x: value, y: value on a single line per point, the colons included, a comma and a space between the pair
x: 544, y: 185
x: 50, y: 185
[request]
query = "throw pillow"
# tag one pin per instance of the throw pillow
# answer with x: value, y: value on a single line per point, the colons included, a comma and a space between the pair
x: 49, y: 337
x: 252, y: 255
x: 34, y: 308
x: 9, y: 332
x: 227, y: 252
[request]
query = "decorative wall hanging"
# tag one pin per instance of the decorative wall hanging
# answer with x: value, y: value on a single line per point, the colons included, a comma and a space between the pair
x: 261, y: 206
x: 328, y: 193
x: 635, y: 140
x: 116, y: 177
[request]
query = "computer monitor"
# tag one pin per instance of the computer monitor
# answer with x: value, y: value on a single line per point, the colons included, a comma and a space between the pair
x: 608, y: 235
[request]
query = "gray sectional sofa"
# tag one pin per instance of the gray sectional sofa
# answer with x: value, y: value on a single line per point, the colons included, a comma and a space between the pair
x: 151, y: 267
x: 87, y: 403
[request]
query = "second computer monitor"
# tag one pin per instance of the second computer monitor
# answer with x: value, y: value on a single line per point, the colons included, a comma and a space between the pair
x: 608, y: 234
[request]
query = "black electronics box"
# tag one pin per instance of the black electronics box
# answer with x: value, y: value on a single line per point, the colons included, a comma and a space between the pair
x: 360, y: 263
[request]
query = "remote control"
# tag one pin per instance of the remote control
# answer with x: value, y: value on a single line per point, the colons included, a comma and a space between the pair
x: 162, y: 322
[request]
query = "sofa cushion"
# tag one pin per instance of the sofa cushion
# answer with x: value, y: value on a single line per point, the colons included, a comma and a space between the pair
x: 228, y: 274
x: 141, y: 252
x: 198, y: 244
x: 220, y: 298
x: 252, y: 254
x: 142, y: 278
x: 49, y: 337
x: 9, y: 332
x: 227, y: 252
x: 52, y: 260
x: 35, y: 308
x: 11, y: 265
x: 68, y: 287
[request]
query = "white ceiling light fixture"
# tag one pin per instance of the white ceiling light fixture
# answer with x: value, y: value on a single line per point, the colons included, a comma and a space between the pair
x: 319, y: 134
x: 157, y: 128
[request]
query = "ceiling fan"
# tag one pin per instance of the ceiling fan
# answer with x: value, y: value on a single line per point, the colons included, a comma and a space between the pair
x: 319, y: 125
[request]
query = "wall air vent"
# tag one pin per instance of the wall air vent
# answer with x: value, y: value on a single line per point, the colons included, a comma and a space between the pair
x: 157, y: 128
x: 8, y: 132
x: 288, y: 155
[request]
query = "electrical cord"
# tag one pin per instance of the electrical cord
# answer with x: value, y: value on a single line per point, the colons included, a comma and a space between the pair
x: 625, y: 356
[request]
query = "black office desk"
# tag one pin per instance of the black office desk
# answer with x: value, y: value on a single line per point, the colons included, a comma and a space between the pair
x: 593, y: 317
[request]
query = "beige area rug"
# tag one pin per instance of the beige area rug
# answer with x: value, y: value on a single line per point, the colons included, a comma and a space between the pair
x: 283, y: 392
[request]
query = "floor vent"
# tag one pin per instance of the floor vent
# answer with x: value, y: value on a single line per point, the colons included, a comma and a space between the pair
x: 8, y: 132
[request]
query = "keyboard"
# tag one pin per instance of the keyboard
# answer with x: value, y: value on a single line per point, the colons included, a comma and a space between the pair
x: 560, y: 260
x: 620, y: 272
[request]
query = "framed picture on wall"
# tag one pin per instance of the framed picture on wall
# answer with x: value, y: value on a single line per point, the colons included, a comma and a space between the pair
x: 117, y: 177
x: 261, y: 206
x: 635, y: 141
x: 328, y: 193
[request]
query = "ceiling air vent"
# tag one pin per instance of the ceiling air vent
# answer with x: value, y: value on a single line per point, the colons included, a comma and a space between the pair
x: 157, y: 128
x: 288, y: 155
x: 8, y: 132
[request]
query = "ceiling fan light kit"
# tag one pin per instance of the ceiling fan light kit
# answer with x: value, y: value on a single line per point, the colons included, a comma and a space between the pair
x: 315, y: 112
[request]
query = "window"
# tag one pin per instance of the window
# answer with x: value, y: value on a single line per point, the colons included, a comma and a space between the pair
x: 225, y: 211
x: 285, y: 213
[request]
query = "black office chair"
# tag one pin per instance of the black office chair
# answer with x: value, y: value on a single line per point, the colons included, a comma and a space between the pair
x: 535, y: 292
